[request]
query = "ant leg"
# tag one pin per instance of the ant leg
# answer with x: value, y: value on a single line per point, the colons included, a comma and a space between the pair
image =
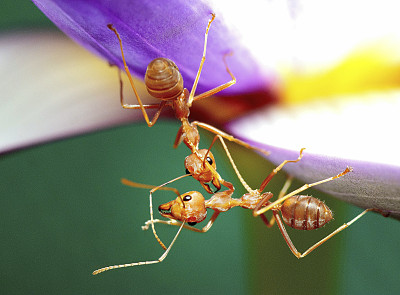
x: 285, y: 187
x: 304, y: 187
x: 285, y: 234
x: 210, y: 222
x: 283, y: 192
x: 277, y: 169
x: 228, y: 137
x: 148, y: 186
x: 196, y: 81
x: 225, y: 183
x: 177, y: 223
x: 154, y: 188
x: 141, y: 106
x: 221, y: 87
x: 270, y: 223
x: 178, y: 138
x: 124, y: 105
x: 312, y: 248
x: 162, y: 257
x: 167, y: 222
x: 244, y: 183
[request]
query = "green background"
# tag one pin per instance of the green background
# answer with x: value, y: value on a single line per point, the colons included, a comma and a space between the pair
x: 65, y: 213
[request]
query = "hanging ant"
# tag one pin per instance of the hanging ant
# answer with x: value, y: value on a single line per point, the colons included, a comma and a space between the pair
x: 164, y: 81
x: 190, y: 208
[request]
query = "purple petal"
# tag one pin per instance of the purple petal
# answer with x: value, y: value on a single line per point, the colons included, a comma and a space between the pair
x: 356, y: 133
x: 150, y: 29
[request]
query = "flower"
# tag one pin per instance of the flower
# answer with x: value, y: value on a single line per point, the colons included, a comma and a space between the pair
x: 175, y: 29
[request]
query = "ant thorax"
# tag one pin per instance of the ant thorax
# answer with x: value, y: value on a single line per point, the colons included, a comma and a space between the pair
x: 180, y: 105
x: 250, y: 200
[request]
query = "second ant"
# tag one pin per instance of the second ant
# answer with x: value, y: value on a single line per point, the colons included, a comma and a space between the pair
x: 298, y: 211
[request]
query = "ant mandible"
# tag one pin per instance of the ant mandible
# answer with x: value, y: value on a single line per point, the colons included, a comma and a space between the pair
x: 190, y: 208
x: 164, y: 81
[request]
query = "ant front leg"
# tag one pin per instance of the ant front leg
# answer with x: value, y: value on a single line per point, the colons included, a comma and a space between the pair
x: 162, y: 257
x: 141, y: 106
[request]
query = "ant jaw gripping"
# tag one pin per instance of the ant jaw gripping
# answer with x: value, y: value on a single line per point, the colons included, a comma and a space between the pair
x: 207, y: 188
x: 202, y: 167
x: 216, y: 184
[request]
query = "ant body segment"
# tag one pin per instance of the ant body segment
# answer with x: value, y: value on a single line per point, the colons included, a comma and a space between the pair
x: 190, y: 208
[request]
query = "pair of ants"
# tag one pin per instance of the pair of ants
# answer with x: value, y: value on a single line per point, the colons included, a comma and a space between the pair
x: 164, y: 81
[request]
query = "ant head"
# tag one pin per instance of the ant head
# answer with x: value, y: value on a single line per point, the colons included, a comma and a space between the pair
x: 189, y: 207
x: 163, y: 79
x: 203, y: 169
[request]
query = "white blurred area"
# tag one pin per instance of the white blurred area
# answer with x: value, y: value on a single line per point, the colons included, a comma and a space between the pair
x: 310, y: 34
x: 347, y: 127
x: 339, y: 64
x: 52, y: 88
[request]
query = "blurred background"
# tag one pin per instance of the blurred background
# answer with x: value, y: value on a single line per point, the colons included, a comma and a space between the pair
x: 65, y: 213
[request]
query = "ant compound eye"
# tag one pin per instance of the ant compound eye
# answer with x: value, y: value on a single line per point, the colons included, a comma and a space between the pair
x: 187, y: 171
x: 192, y: 223
x: 209, y: 160
x: 187, y: 198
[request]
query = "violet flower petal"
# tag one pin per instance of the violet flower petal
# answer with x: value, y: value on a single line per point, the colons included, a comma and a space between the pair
x: 334, y: 140
x: 150, y: 29
x: 148, y: 32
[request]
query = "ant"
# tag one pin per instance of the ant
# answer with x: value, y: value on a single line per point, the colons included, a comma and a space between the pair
x: 164, y: 81
x: 190, y: 208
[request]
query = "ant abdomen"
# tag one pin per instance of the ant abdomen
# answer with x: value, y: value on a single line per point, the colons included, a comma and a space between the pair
x: 305, y: 212
x: 163, y: 79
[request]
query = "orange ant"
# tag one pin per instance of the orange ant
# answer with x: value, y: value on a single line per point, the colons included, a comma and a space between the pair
x: 298, y: 211
x: 164, y: 81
